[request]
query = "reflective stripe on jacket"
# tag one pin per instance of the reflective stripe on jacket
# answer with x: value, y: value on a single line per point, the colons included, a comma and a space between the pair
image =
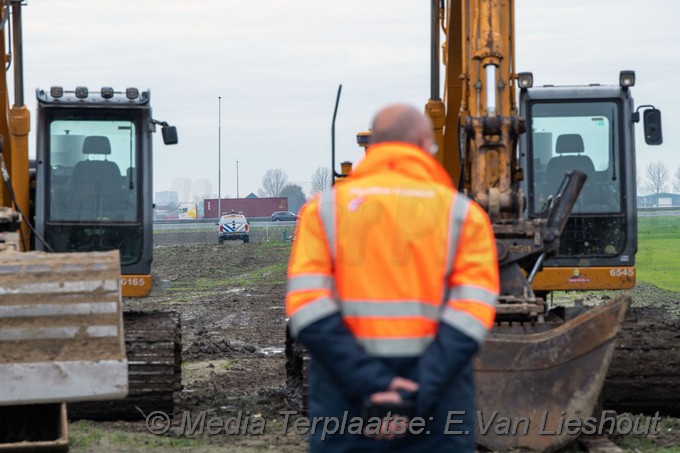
x: 396, y: 250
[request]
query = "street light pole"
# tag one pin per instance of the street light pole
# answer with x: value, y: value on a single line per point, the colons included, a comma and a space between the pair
x: 219, y: 158
x: 237, y: 195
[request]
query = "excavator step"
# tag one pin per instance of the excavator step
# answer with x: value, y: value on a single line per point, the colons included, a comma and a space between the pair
x: 34, y: 428
x: 154, y: 350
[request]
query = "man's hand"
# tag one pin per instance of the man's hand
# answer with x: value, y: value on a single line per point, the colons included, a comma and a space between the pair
x: 395, y: 425
x: 400, y: 383
x: 391, y: 395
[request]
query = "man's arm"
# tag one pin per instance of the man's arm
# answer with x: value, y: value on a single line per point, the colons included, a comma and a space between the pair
x: 314, y: 314
x: 469, y: 310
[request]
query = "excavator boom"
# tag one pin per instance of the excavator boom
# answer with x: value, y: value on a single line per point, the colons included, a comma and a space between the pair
x: 551, y: 209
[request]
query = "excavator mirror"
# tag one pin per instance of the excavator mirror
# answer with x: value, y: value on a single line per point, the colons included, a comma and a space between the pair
x: 652, y: 124
x: 169, y: 135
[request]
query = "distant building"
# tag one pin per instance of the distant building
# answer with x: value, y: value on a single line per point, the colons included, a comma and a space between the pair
x: 166, y: 205
x: 659, y: 200
x: 251, y: 195
x: 250, y: 207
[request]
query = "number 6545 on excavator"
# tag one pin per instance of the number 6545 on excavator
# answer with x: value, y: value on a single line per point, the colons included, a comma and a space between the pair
x: 556, y: 175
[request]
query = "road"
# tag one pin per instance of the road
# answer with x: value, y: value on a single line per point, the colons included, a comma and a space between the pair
x: 212, y: 225
x: 669, y: 213
x: 203, y: 225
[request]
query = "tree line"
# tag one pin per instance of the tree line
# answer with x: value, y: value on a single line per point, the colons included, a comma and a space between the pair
x: 658, y: 180
x: 655, y: 180
x: 275, y: 184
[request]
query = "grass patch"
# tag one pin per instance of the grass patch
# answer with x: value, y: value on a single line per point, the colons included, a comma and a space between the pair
x: 200, y: 285
x: 662, y: 438
x: 181, y: 230
x: 658, y: 251
x: 86, y: 437
x: 272, y: 274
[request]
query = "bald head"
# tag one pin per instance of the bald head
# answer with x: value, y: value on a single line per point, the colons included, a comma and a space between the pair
x: 402, y: 123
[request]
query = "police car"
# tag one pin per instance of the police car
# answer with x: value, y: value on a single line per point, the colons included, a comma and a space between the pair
x: 233, y: 226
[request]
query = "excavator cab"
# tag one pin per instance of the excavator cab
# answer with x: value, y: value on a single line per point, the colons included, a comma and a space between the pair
x: 589, y: 130
x: 94, y: 166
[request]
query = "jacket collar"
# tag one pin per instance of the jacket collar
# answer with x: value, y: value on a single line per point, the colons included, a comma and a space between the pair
x: 403, y: 158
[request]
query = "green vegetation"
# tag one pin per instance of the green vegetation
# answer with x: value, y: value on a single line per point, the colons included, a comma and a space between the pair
x: 86, y: 437
x: 273, y: 274
x: 664, y: 441
x: 191, y: 229
x: 658, y: 257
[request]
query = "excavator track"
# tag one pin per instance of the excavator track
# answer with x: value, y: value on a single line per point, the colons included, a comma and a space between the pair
x: 154, y: 351
x: 645, y: 372
x: 297, y: 368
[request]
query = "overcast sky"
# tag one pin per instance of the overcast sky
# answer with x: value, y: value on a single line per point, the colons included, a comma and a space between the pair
x: 277, y: 65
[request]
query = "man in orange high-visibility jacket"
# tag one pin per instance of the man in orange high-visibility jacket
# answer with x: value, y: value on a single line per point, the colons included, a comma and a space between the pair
x: 393, y: 280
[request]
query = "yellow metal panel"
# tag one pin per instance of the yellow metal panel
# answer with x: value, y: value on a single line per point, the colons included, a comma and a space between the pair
x: 584, y: 278
x: 136, y: 285
x: 454, y: 60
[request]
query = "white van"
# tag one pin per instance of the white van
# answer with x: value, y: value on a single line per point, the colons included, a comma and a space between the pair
x: 233, y: 226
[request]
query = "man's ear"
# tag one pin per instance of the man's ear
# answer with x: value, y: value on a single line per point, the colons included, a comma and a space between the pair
x: 428, y: 143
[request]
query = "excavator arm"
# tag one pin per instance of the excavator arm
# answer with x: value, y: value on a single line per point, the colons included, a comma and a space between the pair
x: 536, y: 364
x: 478, y: 128
x: 15, y: 123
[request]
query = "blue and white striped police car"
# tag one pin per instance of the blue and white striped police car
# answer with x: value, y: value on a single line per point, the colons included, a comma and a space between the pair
x: 233, y: 226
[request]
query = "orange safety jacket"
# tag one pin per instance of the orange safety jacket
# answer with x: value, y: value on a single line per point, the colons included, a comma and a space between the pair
x: 395, y: 250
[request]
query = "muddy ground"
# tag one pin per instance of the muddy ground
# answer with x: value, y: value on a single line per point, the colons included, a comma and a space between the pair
x: 231, y: 301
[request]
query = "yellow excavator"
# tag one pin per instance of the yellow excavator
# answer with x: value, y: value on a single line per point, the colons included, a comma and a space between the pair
x: 556, y: 174
x: 557, y: 177
x: 76, y: 237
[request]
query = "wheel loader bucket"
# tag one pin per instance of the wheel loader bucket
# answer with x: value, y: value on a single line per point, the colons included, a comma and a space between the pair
x: 530, y: 384
x: 61, y: 332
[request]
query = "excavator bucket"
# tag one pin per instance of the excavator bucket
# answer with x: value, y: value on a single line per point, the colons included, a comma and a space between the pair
x: 61, y: 333
x: 533, y: 379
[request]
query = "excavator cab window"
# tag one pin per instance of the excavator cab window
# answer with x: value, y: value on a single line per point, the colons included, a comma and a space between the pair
x: 583, y: 136
x: 94, y: 197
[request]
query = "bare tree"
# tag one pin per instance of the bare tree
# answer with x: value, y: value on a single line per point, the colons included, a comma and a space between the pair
x: 657, y: 177
x: 638, y: 184
x: 676, y: 181
x: 321, y: 179
x: 273, y: 182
